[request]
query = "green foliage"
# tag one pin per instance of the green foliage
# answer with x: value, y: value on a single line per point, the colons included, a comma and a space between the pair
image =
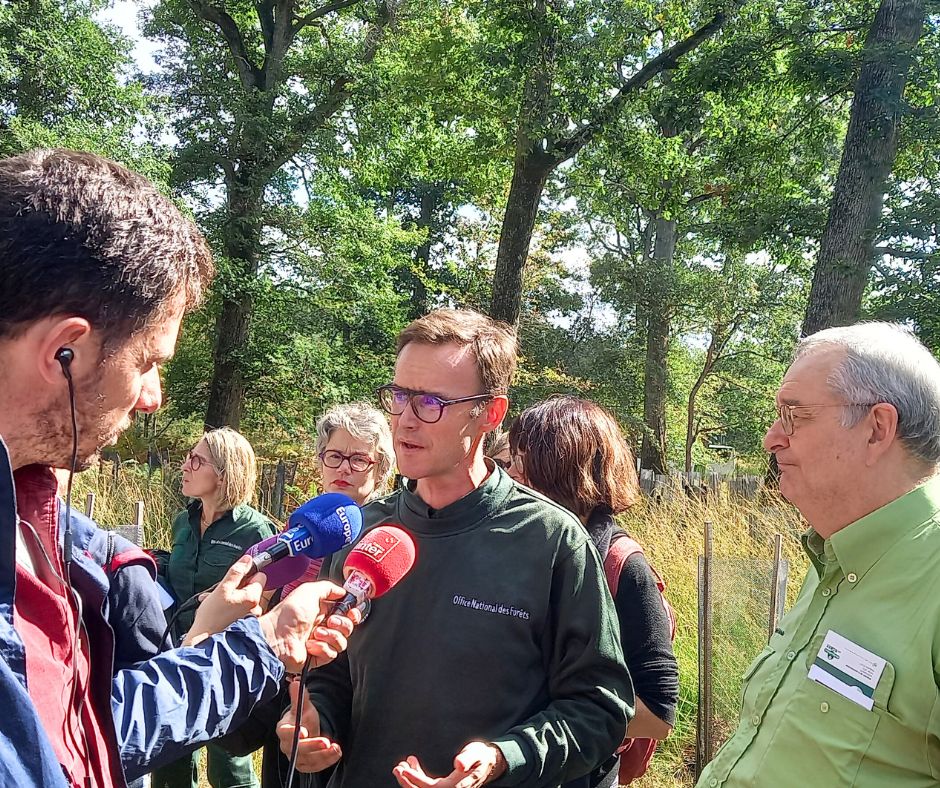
x: 66, y: 81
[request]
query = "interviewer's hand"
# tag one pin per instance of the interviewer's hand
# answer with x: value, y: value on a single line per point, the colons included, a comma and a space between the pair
x: 314, y: 752
x: 295, y: 627
x: 476, y: 764
x: 227, y: 602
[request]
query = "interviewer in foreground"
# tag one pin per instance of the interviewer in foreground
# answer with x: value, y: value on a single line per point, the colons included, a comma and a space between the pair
x: 96, y: 271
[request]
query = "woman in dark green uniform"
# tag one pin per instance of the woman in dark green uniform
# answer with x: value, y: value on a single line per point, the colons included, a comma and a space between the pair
x: 216, y: 528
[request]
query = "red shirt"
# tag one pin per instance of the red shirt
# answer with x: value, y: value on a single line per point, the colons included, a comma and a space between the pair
x: 45, y: 616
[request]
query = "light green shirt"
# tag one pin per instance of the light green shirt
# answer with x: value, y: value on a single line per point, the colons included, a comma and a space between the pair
x: 877, y: 583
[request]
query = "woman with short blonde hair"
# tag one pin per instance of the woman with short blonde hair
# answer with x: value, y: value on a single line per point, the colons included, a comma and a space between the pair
x: 231, y: 451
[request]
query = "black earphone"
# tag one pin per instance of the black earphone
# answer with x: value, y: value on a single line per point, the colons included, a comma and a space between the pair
x: 65, y: 356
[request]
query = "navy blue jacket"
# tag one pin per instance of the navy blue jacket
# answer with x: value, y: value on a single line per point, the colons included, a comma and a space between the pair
x: 163, y: 708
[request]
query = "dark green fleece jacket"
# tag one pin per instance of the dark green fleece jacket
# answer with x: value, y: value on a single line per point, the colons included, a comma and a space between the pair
x: 504, y: 631
x: 199, y: 560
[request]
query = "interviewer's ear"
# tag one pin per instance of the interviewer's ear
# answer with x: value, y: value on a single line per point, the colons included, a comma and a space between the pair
x: 54, y: 335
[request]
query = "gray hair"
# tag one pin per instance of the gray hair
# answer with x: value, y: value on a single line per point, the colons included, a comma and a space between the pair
x: 884, y: 362
x: 364, y: 423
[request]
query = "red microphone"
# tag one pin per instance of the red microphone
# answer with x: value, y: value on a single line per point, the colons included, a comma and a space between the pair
x: 378, y: 561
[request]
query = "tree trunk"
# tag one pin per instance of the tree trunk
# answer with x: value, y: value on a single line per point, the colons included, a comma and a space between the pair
x: 528, y: 180
x: 412, y: 278
x: 693, y: 395
x: 653, y: 450
x: 871, y: 143
x: 241, y: 241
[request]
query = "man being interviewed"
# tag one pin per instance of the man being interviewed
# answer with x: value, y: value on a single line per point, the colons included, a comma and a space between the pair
x: 497, y: 660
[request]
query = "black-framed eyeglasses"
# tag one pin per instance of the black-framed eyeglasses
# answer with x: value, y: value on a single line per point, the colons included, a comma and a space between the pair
x: 786, y: 413
x: 427, y: 407
x: 504, y: 464
x: 196, y: 461
x: 357, y: 462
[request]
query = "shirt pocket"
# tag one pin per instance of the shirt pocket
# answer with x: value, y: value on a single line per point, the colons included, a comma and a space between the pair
x: 839, y: 727
x: 221, y: 557
x: 750, y: 684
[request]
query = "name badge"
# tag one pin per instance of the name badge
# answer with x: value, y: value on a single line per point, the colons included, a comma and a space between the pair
x: 848, y: 669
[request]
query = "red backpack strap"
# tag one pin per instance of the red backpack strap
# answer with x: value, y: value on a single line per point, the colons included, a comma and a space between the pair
x: 622, y: 548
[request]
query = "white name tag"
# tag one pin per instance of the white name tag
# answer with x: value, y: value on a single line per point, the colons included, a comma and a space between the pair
x: 847, y: 668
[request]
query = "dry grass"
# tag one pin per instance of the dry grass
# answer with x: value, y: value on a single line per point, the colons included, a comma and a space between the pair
x: 116, y: 496
x: 672, y: 533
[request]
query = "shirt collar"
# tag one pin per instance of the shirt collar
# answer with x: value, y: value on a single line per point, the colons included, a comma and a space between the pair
x: 462, y: 514
x: 860, y: 545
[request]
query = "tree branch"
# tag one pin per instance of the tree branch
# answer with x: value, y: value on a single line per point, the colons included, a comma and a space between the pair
x: 335, y: 96
x: 248, y: 73
x: 300, y: 22
x: 907, y: 254
x: 567, y: 147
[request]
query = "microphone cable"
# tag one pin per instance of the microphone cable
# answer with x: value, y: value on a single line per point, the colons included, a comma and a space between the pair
x: 298, y: 716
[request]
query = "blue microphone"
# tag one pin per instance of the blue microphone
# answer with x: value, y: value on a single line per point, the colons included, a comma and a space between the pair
x: 318, y: 528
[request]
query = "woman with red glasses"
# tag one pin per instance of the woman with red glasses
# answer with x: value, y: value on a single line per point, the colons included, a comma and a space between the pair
x: 354, y: 446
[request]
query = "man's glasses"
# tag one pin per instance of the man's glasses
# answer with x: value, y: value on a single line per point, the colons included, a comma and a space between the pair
x: 357, y: 462
x: 788, y: 413
x: 196, y: 461
x: 426, y: 407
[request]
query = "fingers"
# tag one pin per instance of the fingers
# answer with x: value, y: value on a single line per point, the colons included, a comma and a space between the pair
x: 293, y: 692
x: 314, y: 754
x: 236, y: 577
x: 331, y: 591
x: 477, y: 763
x: 410, y: 774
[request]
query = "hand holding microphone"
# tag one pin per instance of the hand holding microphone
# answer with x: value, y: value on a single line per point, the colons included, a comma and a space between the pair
x: 318, y: 528
x: 235, y: 596
x: 374, y: 566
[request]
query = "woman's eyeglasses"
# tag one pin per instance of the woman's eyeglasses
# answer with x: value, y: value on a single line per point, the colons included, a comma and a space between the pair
x: 196, y: 461
x: 357, y: 462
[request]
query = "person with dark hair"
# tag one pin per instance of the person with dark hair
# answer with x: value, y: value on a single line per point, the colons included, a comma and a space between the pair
x: 496, y: 447
x: 573, y: 451
x: 98, y: 269
x: 497, y: 659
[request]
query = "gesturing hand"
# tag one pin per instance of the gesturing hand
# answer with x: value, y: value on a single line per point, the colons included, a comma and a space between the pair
x: 476, y: 764
x: 314, y: 752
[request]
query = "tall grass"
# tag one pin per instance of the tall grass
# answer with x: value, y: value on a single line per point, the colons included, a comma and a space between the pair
x: 117, y: 494
x: 672, y: 534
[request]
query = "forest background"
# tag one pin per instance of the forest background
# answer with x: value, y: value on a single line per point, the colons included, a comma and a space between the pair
x: 661, y: 194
